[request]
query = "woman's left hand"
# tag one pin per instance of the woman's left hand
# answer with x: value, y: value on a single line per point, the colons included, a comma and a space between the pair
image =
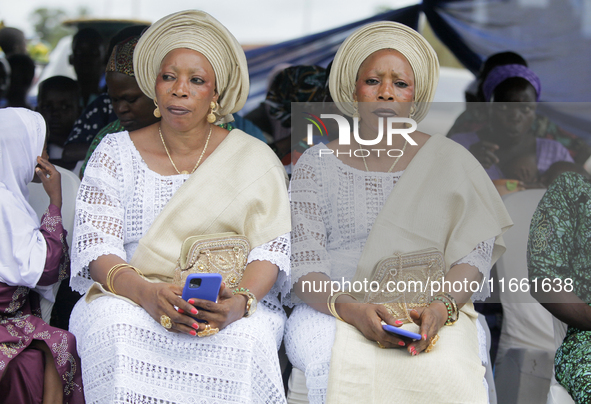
x: 229, y: 308
x: 430, y: 319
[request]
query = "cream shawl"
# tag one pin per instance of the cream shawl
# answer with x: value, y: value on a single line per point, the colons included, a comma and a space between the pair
x: 241, y: 188
x: 444, y: 200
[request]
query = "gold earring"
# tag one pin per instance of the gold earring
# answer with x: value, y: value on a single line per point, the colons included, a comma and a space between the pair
x: 211, y: 118
x: 157, y: 113
x: 356, y: 113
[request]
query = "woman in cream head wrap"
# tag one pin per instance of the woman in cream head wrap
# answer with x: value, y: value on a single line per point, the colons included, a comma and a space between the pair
x: 144, y: 193
x: 353, y: 206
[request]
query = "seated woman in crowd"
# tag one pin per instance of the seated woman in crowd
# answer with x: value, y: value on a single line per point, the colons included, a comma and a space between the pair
x: 133, y: 108
x: 512, y: 92
x: 38, y: 363
x: 349, y: 212
x: 143, y: 193
x: 559, y: 256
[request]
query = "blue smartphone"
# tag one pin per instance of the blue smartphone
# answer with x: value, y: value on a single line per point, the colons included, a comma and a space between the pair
x: 202, y: 286
x: 400, y: 331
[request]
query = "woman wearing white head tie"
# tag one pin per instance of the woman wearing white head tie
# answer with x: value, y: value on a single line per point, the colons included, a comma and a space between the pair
x: 143, y: 194
x: 349, y: 212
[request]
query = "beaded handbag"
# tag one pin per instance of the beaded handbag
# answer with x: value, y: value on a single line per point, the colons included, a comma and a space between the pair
x: 222, y: 253
x: 405, y: 281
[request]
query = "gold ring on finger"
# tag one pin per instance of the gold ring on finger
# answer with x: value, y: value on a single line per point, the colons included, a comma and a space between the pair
x: 165, y: 321
x: 380, y: 345
x: 432, y: 342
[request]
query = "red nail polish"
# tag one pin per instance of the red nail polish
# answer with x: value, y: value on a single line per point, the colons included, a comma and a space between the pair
x: 398, y: 322
x: 194, y: 311
x: 191, y: 301
x: 181, y: 311
x: 425, y: 337
x: 401, y: 343
x: 195, y: 326
x: 193, y: 332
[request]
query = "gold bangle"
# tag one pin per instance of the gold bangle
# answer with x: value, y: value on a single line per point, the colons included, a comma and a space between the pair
x: 114, y: 270
x: 331, y: 304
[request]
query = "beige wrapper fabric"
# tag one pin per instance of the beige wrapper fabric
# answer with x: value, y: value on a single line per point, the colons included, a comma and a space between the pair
x: 451, y: 209
x: 200, y: 32
x: 372, y: 38
x: 234, y: 190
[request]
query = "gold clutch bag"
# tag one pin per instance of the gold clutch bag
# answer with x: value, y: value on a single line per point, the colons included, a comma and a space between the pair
x: 222, y: 253
x: 405, y: 281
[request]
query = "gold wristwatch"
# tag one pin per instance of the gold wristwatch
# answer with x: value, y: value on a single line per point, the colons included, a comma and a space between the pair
x: 251, y: 301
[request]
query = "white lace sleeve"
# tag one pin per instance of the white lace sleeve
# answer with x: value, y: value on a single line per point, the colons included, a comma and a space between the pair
x: 99, y: 223
x: 309, y: 232
x: 480, y: 257
x: 277, y: 252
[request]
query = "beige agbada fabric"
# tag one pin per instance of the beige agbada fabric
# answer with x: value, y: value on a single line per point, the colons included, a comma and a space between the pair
x: 451, y: 209
x: 235, y: 189
x: 201, y: 32
x: 374, y: 37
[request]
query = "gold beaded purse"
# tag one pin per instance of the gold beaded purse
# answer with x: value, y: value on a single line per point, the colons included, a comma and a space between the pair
x: 405, y: 281
x: 222, y: 253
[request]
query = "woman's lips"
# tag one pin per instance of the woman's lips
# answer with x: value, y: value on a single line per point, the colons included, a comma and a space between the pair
x: 385, y: 112
x: 177, y: 110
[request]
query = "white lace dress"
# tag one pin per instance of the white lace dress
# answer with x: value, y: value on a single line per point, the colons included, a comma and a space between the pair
x: 334, y: 207
x: 127, y: 357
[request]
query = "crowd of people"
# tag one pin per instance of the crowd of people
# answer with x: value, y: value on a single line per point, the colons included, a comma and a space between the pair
x: 166, y: 163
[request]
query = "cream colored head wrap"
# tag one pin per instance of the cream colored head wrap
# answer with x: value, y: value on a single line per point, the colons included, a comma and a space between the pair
x: 372, y: 38
x: 201, y: 32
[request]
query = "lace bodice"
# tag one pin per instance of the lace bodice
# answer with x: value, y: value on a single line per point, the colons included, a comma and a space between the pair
x: 119, y: 199
x: 334, y: 207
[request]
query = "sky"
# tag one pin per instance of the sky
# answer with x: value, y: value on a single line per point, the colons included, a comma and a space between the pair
x: 251, y: 21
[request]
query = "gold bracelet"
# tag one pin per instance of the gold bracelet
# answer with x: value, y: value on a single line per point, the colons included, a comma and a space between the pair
x: 331, y: 304
x: 114, y: 270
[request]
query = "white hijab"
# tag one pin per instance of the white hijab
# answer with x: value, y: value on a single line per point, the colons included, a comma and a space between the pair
x: 23, y: 249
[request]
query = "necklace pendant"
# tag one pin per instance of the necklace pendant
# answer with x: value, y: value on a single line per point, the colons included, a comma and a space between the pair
x: 184, y: 172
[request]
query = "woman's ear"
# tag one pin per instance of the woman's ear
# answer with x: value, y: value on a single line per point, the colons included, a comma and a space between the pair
x: 216, y: 96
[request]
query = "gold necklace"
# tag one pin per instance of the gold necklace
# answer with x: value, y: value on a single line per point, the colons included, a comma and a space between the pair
x: 200, y: 157
x: 393, y: 164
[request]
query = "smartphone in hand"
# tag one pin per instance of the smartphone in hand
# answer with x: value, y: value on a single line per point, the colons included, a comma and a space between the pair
x: 202, y: 286
x: 402, y: 332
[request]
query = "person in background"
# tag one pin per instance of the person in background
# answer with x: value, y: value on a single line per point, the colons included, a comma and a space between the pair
x: 133, y: 108
x: 98, y: 114
x: 59, y: 103
x: 88, y: 61
x: 13, y: 41
x: 22, y: 69
x: 38, y: 363
x: 475, y: 115
x: 512, y: 93
x: 558, y: 261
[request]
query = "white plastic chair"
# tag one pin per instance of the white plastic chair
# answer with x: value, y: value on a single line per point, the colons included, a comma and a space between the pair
x: 40, y: 201
x: 558, y: 394
x: 526, y: 348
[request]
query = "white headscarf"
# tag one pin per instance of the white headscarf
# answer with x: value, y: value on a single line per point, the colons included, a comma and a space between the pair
x: 23, y: 249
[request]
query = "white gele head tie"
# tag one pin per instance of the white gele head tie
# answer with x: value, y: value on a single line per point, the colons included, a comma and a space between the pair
x: 372, y: 38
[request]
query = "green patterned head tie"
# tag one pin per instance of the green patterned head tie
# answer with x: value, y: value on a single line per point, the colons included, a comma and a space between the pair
x: 121, y: 59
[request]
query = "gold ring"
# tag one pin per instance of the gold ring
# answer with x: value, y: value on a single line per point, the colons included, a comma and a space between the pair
x: 208, y: 331
x: 165, y: 321
x: 380, y: 345
x: 432, y: 343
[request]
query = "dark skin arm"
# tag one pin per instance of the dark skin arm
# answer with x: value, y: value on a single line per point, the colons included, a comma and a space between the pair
x: 565, y: 306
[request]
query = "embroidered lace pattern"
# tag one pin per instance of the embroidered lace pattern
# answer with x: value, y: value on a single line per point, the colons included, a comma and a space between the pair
x: 334, y: 207
x: 119, y: 199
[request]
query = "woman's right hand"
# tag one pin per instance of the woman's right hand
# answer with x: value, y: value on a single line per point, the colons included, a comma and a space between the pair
x: 367, y: 318
x: 51, y: 179
x: 159, y: 299
x: 485, y: 153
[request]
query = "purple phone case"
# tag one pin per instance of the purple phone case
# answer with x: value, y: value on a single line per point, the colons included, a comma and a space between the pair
x: 400, y: 331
